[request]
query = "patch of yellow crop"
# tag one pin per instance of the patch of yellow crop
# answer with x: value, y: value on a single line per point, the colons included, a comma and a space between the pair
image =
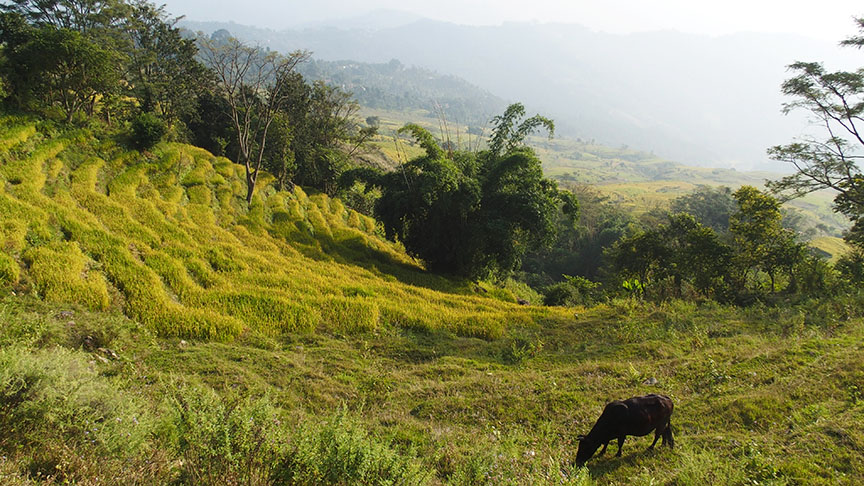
x: 172, y: 233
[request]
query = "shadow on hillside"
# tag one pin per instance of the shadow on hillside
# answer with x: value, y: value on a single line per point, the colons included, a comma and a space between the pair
x: 354, y: 251
x: 426, y: 346
x: 638, y: 452
x: 563, y: 343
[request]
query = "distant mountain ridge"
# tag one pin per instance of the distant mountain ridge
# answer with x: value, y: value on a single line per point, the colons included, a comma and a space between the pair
x: 394, y: 86
x: 696, y: 99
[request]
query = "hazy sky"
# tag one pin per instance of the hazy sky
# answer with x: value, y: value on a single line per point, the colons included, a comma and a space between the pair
x: 825, y: 19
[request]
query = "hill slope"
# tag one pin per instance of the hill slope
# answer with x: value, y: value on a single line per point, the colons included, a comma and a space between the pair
x: 168, y: 238
x: 334, y: 359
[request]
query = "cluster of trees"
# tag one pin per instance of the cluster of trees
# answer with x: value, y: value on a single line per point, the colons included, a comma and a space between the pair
x: 471, y: 214
x: 94, y: 57
x: 746, y: 255
x: 127, y: 63
x: 715, y: 243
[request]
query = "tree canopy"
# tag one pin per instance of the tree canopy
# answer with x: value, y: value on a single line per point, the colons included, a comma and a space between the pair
x: 471, y: 214
x: 835, y: 99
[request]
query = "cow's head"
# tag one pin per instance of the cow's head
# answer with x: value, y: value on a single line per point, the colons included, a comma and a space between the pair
x: 587, y: 448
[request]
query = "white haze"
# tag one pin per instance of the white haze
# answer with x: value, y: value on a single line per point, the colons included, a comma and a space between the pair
x: 826, y: 19
x: 708, y: 98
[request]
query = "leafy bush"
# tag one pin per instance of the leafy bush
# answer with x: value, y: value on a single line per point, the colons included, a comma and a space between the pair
x: 147, y: 130
x: 851, y: 267
x: 340, y: 452
x: 224, y: 442
x: 573, y: 291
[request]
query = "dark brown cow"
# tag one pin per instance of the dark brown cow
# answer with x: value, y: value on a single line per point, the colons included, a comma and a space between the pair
x: 634, y: 416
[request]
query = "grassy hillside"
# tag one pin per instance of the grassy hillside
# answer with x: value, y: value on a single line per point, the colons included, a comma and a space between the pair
x: 153, y: 330
x: 167, y: 238
x: 762, y: 397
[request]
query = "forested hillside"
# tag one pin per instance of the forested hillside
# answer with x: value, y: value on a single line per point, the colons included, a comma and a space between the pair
x: 396, y: 87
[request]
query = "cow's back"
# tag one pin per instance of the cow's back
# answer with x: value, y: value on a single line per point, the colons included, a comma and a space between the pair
x: 646, y: 413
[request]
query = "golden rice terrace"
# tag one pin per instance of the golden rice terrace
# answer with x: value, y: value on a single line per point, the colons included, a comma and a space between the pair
x: 167, y: 237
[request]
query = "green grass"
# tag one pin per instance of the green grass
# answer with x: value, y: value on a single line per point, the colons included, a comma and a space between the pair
x: 170, y: 240
x: 768, y: 396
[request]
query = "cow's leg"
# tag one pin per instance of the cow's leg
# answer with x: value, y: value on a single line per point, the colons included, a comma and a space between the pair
x: 603, y: 450
x: 667, y: 437
x: 657, y: 434
x: 620, y: 444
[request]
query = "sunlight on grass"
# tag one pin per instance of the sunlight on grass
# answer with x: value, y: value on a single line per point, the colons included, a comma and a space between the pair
x: 173, y: 236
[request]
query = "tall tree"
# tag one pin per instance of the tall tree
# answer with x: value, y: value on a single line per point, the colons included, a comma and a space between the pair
x: 469, y: 214
x: 762, y: 242
x: 254, y: 84
x: 164, y: 73
x: 836, y: 101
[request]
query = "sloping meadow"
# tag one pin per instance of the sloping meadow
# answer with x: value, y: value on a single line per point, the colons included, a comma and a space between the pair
x: 168, y: 238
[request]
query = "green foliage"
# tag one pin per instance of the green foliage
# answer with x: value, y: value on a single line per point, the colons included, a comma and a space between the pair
x: 579, y: 248
x: 763, y: 244
x: 710, y: 206
x: 836, y: 101
x: 163, y: 70
x: 469, y: 214
x: 147, y: 130
x: 340, y: 452
x: 50, y: 65
x: 677, y: 254
x: 52, y: 397
x: 573, y: 291
x: 507, y: 135
x: 223, y: 442
x: 851, y: 267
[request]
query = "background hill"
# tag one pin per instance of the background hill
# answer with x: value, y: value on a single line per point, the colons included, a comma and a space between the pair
x: 711, y: 101
x: 396, y: 87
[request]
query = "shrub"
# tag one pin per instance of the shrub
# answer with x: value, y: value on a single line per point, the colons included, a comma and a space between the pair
x: 55, y: 397
x: 9, y: 271
x: 147, y: 130
x: 224, y: 442
x: 573, y: 291
x: 851, y: 267
x: 340, y: 452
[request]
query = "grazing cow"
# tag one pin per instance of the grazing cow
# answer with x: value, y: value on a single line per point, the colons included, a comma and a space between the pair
x: 635, y: 416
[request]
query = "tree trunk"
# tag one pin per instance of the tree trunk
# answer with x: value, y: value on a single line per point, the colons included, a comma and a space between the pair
x: 250, y: 187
